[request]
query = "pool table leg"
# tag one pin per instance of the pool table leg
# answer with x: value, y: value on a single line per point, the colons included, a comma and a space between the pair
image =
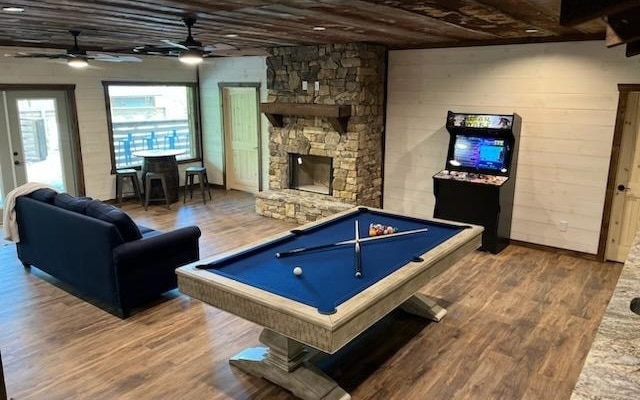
x: 424, y: 306
x: 285, y: 362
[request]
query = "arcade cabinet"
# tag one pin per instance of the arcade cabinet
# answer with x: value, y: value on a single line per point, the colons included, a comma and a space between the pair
x: 478, y: 182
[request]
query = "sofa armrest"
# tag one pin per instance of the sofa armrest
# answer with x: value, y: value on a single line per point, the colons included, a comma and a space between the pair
x: 167, y: 250
x: 145, y: 268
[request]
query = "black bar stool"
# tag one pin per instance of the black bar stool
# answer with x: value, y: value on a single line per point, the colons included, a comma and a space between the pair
x: 201, y: 173
x: 121, y: 176
x: 150, y: 176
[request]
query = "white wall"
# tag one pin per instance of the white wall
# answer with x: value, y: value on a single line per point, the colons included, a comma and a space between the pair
x: 92, y: 115
x: 229, y: 70
x: 567, y: 96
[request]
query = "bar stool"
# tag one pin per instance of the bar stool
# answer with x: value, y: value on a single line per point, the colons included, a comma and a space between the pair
x: 201, y: 173
x: 150, y: 176
x: 121, y: 176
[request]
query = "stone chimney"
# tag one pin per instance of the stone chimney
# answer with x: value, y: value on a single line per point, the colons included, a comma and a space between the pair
x: 347, y: 75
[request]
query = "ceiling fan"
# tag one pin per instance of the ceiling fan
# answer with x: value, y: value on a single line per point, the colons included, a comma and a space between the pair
x: 189, y: 51
x: 75, y: 56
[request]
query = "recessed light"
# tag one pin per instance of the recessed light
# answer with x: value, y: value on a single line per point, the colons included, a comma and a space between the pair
x: 231, y: 35
x: 532, y: 30
x: 319, y: 28
x: 13, y: 9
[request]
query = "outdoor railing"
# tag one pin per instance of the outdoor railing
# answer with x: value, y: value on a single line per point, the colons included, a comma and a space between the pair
x: 129, y: 137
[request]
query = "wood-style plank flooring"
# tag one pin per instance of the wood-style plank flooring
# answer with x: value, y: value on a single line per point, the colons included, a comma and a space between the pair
x: 520, y: 325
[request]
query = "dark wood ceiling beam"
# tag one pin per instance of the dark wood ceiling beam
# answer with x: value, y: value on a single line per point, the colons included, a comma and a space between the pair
x: 510, y: 41
x: 612, y: 39
x: 574, y: 12
x: 626, y: 25
x: 633, y: 49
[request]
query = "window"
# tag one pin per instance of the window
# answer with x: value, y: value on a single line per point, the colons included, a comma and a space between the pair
x: 151, y: 116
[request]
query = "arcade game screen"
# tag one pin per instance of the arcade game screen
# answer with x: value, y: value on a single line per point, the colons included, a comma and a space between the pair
x: 479, y: 153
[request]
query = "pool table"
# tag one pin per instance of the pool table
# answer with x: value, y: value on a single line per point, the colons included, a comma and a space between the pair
x: 326, y: 305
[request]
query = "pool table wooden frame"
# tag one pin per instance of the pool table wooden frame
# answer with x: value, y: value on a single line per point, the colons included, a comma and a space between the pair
x: 291, y: 326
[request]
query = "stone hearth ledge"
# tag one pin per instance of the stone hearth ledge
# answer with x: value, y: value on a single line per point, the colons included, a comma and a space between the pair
x: 612, y: 367
x: 297, y: 205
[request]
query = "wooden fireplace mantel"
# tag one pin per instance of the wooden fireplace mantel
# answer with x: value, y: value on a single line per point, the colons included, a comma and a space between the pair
x: 336, y: 115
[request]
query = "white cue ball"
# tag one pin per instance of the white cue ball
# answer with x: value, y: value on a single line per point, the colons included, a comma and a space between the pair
x: 297, y: 271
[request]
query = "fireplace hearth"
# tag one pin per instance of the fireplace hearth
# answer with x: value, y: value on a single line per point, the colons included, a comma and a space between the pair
x: 311, y: 173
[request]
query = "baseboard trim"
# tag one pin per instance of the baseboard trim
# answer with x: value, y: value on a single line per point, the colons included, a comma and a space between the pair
x: 557, y: 250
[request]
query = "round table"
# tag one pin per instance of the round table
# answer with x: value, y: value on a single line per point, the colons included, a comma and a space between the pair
x: 161, y: 161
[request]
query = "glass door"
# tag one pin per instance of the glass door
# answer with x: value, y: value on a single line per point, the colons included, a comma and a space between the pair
x: 37, y: 145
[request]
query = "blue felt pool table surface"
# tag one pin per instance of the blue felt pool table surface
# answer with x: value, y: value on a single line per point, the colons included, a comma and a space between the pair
x: 328, y: 275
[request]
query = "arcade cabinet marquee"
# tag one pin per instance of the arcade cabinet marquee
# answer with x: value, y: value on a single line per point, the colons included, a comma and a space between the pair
x: 478, y: 182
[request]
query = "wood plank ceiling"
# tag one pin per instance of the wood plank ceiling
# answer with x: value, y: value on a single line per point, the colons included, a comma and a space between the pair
x: 120, y: 25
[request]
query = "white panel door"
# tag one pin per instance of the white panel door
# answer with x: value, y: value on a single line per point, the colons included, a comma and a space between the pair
x: 625, y: 211
x: 241, y: 138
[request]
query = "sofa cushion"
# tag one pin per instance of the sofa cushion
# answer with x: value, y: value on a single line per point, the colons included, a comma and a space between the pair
x: 148, y: 232
x: 44, y: 195
x: 72, y: 203
x: 108, y: 213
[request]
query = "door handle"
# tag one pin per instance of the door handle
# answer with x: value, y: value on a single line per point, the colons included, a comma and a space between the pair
x: 623, y: 188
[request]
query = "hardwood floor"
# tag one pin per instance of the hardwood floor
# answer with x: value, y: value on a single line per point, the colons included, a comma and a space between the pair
x: 520, y: 325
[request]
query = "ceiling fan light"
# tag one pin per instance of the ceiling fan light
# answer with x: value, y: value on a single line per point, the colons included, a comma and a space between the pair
x: 191, y: 57
x: 78, y: 62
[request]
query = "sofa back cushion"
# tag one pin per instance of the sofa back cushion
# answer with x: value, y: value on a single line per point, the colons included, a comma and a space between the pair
x: 72, y: 203
x: 44, y: 195
x: 108, y: 213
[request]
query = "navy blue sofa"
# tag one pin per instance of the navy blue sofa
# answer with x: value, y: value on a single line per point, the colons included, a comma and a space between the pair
x: 98, y: 252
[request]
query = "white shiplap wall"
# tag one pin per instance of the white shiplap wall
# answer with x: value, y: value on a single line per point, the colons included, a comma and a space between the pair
x: 229, y: 70
x: 91, y: 109
x: 567, y: 96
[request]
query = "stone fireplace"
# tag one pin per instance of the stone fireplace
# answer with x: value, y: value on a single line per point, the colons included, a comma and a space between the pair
x: 342, y: 121
x: 311, y: 173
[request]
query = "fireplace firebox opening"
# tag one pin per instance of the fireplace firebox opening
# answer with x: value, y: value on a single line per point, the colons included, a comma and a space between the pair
x: 311, y: 173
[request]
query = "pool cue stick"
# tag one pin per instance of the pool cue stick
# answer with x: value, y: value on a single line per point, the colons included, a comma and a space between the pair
x: 345, y: 242
x: 357, y: 253
x: 312, y: 248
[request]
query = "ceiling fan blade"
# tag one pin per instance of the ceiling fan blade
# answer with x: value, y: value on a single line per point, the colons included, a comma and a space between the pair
x: 175, y: 49
x: 176, y: 45
x: 114, y: 58
x: 238, y: 52
x: 158, y: 50
x: 219, y: 47
x: 39, y: 55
